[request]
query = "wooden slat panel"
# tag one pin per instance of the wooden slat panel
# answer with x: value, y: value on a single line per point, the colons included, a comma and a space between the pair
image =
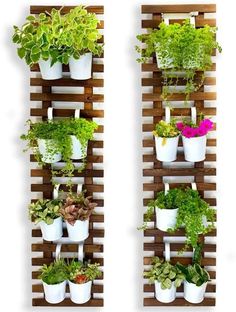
x: 87, y: 172
x: 159, y: 187
x: 180, y: 8
x: 67, y: 303
x: 59, y: 97
x: 96, y: 188
x: 67, y: 82
x: 207, y: 96
x: 66, y: 248
x: 208, y: 81
x: 179, y: 172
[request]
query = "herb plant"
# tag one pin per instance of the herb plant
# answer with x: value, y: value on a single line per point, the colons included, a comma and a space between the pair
x: 194, y: 274
x: 192, y: 211
x: 165, y: 273
x: 77, y: 207
x: 80, y: 273
x: 58, y: 132
x: 166, y: 130
x: 55, y: 273
x: 171, y: 200
x: 180, y: 48
x: 45, y: 210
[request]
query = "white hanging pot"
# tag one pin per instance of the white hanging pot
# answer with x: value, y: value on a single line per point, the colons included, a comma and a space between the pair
x: 195, y: 148
x: 49, y: 72
x: 165, y: 295
x: 54, y: 293
x: 79, y: 231
x: 81, y: 69
x: 166, y: 218
x: 80, y: 293
x: 51, y: 232
x: 193, y: 293
x: 166, y: 148
x: 43, y: 147
x: 77, y: 149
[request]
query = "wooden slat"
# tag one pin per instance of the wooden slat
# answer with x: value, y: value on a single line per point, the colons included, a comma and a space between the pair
x: 180, y: 8
x: 96, y: 188
x: 159, y: 187
x: 67, y: 82
x: 152, y: 67
x: 147, y: 112
x: 185, y: 261
x: 96, y: 68
x: 146, y: 82
x: 175, y: 247
x: 181, y: 232
x: 87, y: 172
x: 63, y: 97
x: 179, y: 172
x: 180, y: 157
x: 62, y: 112
x: 67, y: 303
x: 200, y: 22
x: 66, y: 247
x: 178, y: 302
x: 41, y: 261
x: 207, y: 96
x: 36, y: 9
x: 90, y: 158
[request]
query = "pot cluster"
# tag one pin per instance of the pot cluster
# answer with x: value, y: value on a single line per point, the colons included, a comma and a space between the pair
x: 75, y: 211
x: 53, y: 39
x: 194, y: 138
x: 78, y: 275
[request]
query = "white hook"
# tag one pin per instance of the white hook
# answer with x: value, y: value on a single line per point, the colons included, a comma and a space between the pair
x: 167, y: 114
x: 194, y: 186
x: 77, y: 113
x: 81, y: 251
x: 167, y: 251
x: 79, y: 188
x: 194, y: 115
x: 50, y: 113
x: 56, y: 191
x: 58, y: 252
x: 167, y: 187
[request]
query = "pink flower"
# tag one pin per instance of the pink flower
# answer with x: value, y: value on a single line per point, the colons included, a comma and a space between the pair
x: 188, y: 132
x: 180, y: 126
x: 206, y: 124
x: 201, y: 131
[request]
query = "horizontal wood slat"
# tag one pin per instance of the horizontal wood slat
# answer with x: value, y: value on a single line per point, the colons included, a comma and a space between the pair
x: 90, y: 158
x: 200, y: 22
x: 59, y: 97
x: 67, y: 303
x: 180, y: 172
x: 197, y: 96
x: 36, y: 9
x: 96, y: 68
x: 66, y: 248
x: 62, y: 112
x: 180, y: 157
x: 180, y: 232
x: 46, y: 173
x: 178, y: 302
x: 67, y: 82
x: 155, y: 82
x: 180, y: 8
x: 185, y: 261
x: 41, y: 261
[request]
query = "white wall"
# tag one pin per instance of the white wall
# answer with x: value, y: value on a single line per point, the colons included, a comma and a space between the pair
x: 123, y: 183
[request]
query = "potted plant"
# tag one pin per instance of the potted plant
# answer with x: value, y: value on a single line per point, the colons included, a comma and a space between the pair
x: 45, y: 213
x: 167, y: 278
x: 166, y: 140
x: 195, y: 282
x: 195, y: 216
x: 80, y: 41
x: 166, y: 206
x: 55, y: 140
x: 81, y: 276
x: 38, y: 41
x: 180, y: 47
x: 195, y: 138
x: 76, y: 212
x: 54, y: 278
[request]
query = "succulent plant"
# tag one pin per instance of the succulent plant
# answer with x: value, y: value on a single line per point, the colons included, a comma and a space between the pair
x: 194, y: 274
x: 80, y: 273
x: 77, y: 207
x: 45, y: 210
x: 165, y: 273
x: 54, y: 273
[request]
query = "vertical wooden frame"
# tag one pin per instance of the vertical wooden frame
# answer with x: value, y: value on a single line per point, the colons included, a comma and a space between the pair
x: 63, y: 94
x: 156, y: 172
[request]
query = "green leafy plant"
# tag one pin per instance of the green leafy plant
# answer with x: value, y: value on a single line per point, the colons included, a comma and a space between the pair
x: 191, y: 214
x: 194, y: 274
x: 57, y: 37
x: 80, y: 34
x: 59, y: 132
x: 166, y: 130
x: 77, y: 207
x: 165, y: 273
x: 40, y: 38
x: 80, y: 273
x: 171, y: 200
x: 54, y: 273
x: 180, y: 48
x: 44, y: 210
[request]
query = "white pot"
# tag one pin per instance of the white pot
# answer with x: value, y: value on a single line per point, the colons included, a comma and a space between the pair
x: 165, y: 295
x: 55, y: 293
x: 168, y: 62
x: 193, y: 293
x: 166, y: 218
x: 49, y: 72
x: 77, y: 148
x: 195, y: 148
x: 51, y: 232
x: 80, y: 293
x: 81, y: 69
x: 79, y: 231
x: 50, y: 159
x: 167, y: 151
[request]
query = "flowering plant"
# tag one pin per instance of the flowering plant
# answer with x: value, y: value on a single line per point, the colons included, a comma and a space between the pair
x: 190, y: 130
x: 166, y: 130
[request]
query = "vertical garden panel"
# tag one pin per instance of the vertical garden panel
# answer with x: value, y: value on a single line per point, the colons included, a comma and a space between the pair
x: 156, y: 173
x: 65, y: 95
